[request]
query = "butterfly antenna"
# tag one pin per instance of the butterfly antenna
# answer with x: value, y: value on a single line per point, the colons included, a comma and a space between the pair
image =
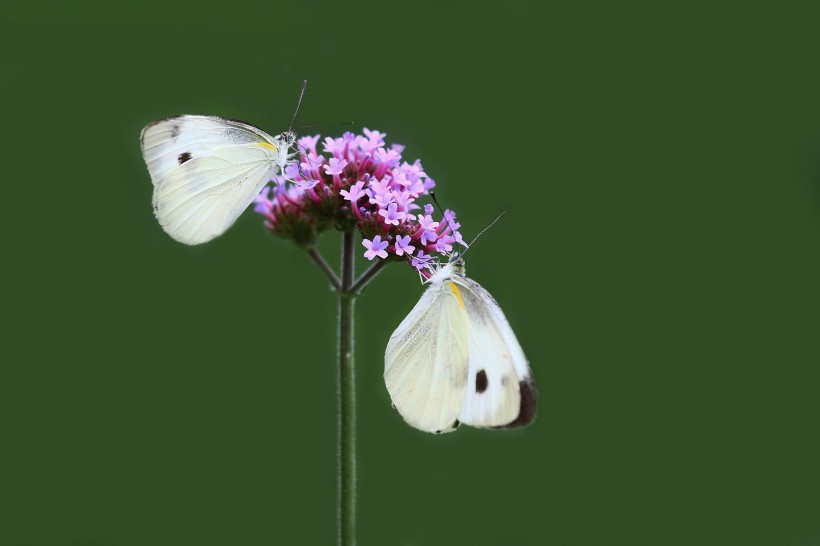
x: 433, y: 196
x: 298, y: 104
x: 442, y: 211
x: 480, y: 233
x: 309, y: 125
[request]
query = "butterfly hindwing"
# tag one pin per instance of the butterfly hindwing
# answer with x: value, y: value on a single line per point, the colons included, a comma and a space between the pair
x: 206, y: 171
x: 500, y: 389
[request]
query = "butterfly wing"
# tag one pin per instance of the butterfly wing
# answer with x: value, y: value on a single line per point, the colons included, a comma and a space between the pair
x: 500, y: 389
x: 206, y: 171
x: 425, y: 365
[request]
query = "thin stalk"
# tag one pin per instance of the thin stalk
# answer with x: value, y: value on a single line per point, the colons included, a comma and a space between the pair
x: 325, y: 267
x: 346, y: 403
x: 367, y: 276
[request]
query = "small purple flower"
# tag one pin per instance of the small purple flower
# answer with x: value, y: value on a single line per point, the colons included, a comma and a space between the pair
x: 307, y: 144
x: 382, y: 200
x: 335, y: 166
x: 374, y: 135
x: 335, y: 146
x: 292, y: 171
x: 415, y: 170
x: 380, y: 186
x: 400, y: 179
x: 355, y: 192
x: 306, y: 184
x: 376, y: 247
x: 373, y: 141
x: 388, y: 157
x: 403, y: 245
x: 421, y: 261
x: 426, y: 221
x: 428, y: 236
x: 444, y: 244
x: 307, y: 187
x: 403, y: 199
x: 262, y: 201
x: 459, y: 239
x: 416, y: 188
x: 311, y: 165
x: 450, y: 220
x: 428, y: 227
x: 392, y: 215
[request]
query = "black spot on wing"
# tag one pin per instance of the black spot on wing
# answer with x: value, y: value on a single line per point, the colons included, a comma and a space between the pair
x: 480, y: 381
x: 529, y: 406
x: 183, y: 157
x: 162, y: 120
x: 454, y: 426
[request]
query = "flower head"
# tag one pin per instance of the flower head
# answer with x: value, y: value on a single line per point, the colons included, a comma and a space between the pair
x: 363, y: 183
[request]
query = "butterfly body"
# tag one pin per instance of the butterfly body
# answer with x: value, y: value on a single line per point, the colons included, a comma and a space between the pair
x: 455, y: 359
x: 206, y: 170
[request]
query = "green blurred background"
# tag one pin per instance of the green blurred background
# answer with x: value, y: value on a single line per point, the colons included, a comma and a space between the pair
x: 660, y: 259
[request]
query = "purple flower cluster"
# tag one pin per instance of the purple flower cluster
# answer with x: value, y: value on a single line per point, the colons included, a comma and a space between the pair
x: 362, y: 184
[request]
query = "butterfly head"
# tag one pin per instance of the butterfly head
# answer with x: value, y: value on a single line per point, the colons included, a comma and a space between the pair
x: 287, y: 138
x: 443, y: 271
x: 457, y: 264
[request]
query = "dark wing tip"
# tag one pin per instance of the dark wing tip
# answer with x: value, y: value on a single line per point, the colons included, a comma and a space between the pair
x: 157, y: 122
x: 529, y: 406
x: 161, y: 120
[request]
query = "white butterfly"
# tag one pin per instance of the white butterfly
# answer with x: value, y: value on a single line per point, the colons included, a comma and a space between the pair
x: 455, y: 360
x: 206, y: 170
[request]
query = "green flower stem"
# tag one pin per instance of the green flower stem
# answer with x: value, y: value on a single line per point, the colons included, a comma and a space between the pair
x: 347, y: 289
x: 346, y: 403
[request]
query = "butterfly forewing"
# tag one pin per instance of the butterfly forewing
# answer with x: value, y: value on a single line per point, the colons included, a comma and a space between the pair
x: 206, y: 171
x: 426, y: 362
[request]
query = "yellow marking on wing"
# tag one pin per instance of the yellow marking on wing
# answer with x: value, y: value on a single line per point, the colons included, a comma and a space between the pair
x: 269, y: 146
x: 457, y: 293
